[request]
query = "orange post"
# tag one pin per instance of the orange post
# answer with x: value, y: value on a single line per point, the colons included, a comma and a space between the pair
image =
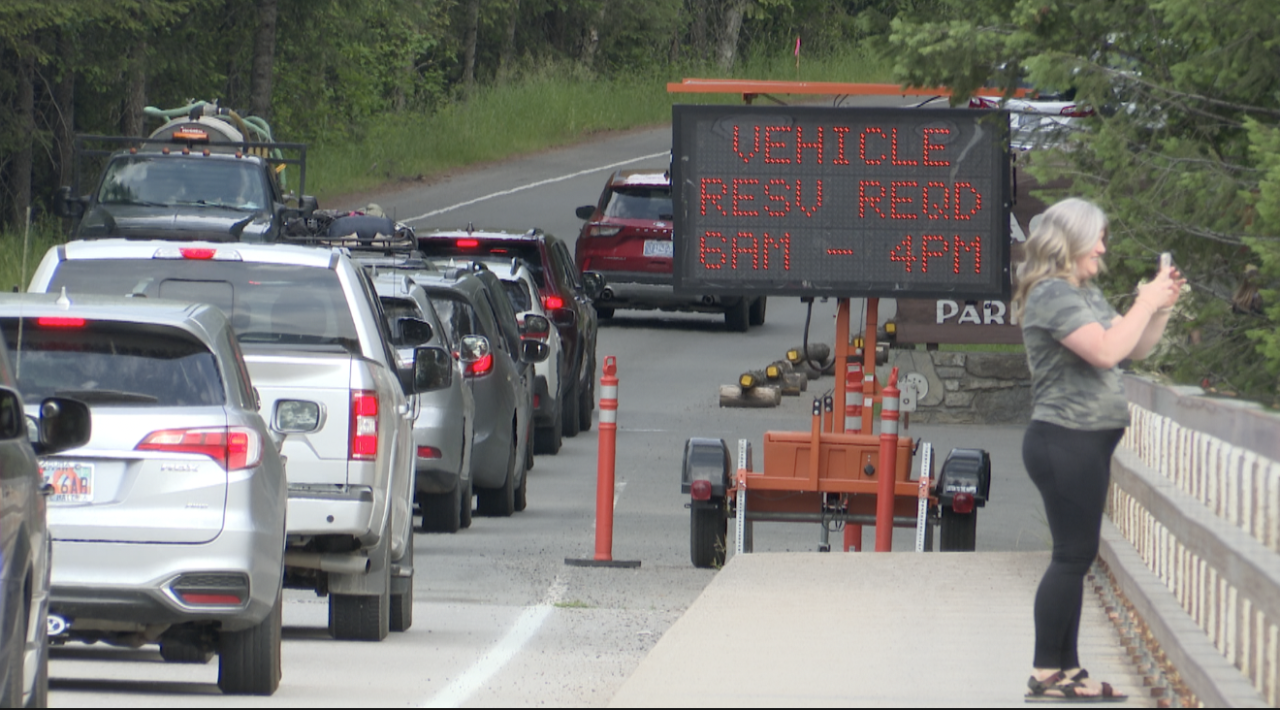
x: 853, y: 410
x: 841, y: 354
x: 869, y: 364
x: 888, y: 463
x: 606, y: 459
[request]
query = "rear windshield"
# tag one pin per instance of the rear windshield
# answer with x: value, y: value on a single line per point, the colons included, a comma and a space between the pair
x: 525, y: 250
x: 640, y: 202
x: 271, y: 304
x: 112, y: 363
x: 166, y: 182
x: 518, y: 294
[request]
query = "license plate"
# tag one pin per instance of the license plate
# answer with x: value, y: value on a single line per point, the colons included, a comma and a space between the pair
x: 72, y: 482
x: 659, y: 247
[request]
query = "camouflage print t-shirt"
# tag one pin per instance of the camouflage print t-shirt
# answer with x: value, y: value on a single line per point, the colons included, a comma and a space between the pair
x: 1066, y: 390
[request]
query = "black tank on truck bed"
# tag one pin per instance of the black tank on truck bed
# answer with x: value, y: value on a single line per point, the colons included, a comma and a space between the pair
x: 207, y: 174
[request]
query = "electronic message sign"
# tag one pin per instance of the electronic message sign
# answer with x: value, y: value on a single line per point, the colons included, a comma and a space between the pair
x: 810, y: 201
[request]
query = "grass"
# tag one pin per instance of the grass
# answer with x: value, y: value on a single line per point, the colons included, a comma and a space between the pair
x: 44, y: 235
x: 575, y: 604
x: 543, y: 108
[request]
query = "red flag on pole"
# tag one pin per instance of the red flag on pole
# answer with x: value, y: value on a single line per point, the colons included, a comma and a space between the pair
x: 797, y: 45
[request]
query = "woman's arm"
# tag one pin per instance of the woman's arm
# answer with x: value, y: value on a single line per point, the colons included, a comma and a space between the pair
x: 1133, y: 334
x: 1151, y: 334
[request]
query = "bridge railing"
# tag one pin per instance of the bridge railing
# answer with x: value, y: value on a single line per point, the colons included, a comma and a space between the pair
x: 1196, y: 492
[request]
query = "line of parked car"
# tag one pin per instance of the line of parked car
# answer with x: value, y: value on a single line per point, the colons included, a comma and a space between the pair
x: 268, y: 416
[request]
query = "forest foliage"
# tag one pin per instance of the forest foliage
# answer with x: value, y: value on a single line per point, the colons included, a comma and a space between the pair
x: 1183, y: 149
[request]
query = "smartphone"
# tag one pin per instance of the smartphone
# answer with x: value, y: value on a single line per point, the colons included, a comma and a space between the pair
x: 1166, y: 260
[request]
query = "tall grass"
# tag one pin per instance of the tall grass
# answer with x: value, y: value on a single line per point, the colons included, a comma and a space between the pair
x: 44, y: 235
x: 542, y: 108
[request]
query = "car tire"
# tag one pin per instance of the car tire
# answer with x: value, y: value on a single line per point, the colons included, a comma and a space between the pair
x: 402, y: 593
x: 466, y: 505
x: 13, y: 690
x: 40, y: 687
x: 569, y: 411
x: 604, y: 313
x: 549, y: 439
x: 587, y: 402
x: 364, y: 617
x: 441, y: 512
x: 500, y: 502
x: 738, y: 317
x: 758, y: 306
x: 249, y: 661
x: 522, y: 491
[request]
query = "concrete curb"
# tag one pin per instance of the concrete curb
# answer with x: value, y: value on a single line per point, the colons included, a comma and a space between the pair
x: 1205, y: 670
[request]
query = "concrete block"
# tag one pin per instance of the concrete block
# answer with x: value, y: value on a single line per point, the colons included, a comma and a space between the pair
x: 958, y: 399
x: 951, y: 373
x: 998, y: 365
x: 947, y: 359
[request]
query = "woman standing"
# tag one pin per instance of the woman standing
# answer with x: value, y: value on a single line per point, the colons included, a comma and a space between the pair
x: 1075, y: 341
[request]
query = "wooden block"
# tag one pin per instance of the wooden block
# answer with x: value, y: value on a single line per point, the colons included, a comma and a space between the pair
x: 757, y: 397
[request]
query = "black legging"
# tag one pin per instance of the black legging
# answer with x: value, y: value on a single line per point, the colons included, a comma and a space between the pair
x: 1072, y: 469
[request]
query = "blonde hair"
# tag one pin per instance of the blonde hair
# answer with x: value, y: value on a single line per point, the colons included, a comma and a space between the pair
x: 1066, y: 232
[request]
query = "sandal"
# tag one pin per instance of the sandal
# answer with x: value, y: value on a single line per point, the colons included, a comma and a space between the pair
x: 1060, y: 688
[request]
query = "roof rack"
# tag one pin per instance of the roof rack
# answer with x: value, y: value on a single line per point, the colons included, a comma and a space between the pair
x: 355, y: 231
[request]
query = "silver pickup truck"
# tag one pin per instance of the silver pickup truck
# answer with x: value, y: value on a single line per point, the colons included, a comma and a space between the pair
x: 317, y: 348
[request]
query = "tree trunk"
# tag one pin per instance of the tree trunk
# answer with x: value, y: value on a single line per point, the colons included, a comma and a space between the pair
x: 264, y: 50
x: 592, y: 40
x: 22, y: 158
x: 508, y: 56
x: 64, y: 97
x: 698, y: 30
x: 729, y: 37
x: 469, y: 62
x: 131, y: 122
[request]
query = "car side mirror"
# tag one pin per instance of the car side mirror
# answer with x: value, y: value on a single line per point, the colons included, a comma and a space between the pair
x: 64, y: 205
x: 593, y: 284
x: 533, y: 351
x: 414, y: 331
x: 432, y: 369
x: 535, y: 325
x: 585, y: 211
x: 564, y: 317
x: 64, y: 424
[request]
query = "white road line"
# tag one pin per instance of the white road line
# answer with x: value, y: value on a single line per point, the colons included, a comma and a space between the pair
x: 526, y: 626
x: 532, y: 185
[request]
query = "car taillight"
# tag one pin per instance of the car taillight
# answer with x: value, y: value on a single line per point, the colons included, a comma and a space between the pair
x: 980, y: 102
x: 468, y: 243
x: 428, y: 452
x: 600, y: 230
x: 481, y: 366
x: 552, y: 302
x: 54, y: 322
x: 232, y: 448
x: 1076, y: 111
x: 364, y: 425
x: 197, y: 254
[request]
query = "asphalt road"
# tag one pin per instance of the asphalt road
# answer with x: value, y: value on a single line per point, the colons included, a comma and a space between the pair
x: 498, y: 616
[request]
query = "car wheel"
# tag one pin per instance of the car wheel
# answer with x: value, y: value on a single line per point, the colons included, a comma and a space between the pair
x: 569, y: 411
x: 402, y: 593
x: 756, y: 316
x: 587, y: 404
x: 249, y: 660
x: 604, y: 313
x: 441, y: 512
x: 465, y: 507
x: 548, y: 439
x: 738, y: 317
x: 365, y: 617
x: 522, y: 490
x: 500, y: 502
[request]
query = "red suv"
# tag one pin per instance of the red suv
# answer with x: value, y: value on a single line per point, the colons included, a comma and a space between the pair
x: 627, y: 240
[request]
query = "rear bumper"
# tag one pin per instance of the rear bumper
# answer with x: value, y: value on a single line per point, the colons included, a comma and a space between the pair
x: 331, y: 510
x: 625, y: 289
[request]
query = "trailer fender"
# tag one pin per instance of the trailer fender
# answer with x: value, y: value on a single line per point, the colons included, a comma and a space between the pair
x: 705, y: 460
x: 965, y: 481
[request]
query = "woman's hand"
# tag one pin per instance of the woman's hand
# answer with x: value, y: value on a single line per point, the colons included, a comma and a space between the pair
x: 1161, y: 292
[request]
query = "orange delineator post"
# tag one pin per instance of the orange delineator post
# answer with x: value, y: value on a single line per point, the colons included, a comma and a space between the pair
x: 888, y: 464
x: 606, y: 459
x: 869, y: 365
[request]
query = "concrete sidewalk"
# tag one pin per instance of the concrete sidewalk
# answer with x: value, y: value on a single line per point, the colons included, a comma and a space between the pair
x: 864, y: 629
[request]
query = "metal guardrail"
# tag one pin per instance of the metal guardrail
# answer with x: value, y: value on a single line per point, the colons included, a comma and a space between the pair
x: 1196, y: 492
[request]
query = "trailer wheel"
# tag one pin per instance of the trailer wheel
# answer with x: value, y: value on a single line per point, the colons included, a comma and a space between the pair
x: 959, y: 531
x: 707, y: 530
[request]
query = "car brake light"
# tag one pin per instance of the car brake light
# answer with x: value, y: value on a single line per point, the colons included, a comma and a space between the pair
x: 468, y: 243
x: 233, y: 448
x: 198, y: 254
x: 537, y: 401
x: 428, y: 452
x: 54, y: 322
x: 597, y: 230
x: 364, y: 425
x: 481, y: 366
x: 552, y: 302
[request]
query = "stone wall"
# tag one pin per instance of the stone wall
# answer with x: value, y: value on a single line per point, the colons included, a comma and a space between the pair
x: 968, y: 387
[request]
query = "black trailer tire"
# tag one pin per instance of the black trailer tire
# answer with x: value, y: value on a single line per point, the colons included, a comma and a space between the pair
x: 707, y: 530
x: 402, y: 593
x: 441, y: 512
x: 959, y: 531
x: 737, y: 318
x: 249, y: 661
x: 569, y: 411
x: 757, y: 310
